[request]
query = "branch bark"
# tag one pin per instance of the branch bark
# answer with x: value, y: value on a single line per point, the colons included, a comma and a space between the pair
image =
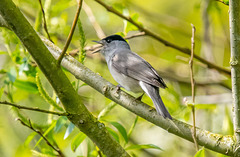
x: 79, y: 115
x: 215, y: 142
x: 234, y: 20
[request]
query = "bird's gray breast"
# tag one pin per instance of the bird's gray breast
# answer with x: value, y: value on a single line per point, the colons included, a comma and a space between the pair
x: 125, y: 81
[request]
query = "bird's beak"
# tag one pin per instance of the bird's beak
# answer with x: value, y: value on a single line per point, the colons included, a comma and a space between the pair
x: 98, y: 49
x: 99, y: 42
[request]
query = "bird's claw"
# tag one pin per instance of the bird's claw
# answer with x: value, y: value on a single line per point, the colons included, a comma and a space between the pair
x: 140, y: 97
x: 118, y: 88
x: 116, y: 93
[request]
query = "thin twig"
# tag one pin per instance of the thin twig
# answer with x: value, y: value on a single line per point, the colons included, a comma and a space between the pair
x: 71, y: 32
x: 193, y: 87
x: 44, y: 21
x: 165, y: 42
x: 33, y: 109
x: 136, y: 35
x: 92, y: 19
x: 46, y: 140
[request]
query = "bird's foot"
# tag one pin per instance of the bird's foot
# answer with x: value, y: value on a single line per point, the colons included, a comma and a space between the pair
x: 116, y: 93
x: 140, y: 97
x: 118, y: 88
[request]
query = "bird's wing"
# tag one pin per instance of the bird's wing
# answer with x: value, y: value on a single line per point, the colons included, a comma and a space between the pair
x: 132, y: 65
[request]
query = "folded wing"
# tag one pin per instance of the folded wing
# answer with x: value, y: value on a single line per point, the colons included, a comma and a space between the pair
x: 136, y: 67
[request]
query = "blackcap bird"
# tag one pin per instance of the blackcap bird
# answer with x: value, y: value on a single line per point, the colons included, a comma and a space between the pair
x: 132, y: 72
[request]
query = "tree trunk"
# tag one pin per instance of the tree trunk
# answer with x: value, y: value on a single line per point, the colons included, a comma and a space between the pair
x: 234, y: 20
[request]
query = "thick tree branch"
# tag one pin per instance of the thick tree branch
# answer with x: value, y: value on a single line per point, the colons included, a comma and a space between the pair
x: 234, y: 20
x: 216, y: 142
x: 165, y: 42
x: 72, y: 102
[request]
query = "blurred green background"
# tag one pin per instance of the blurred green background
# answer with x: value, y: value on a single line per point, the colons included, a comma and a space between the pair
x: 172, y: 21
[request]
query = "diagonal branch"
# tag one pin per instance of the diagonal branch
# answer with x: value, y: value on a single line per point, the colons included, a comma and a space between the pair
x: 216, y: 142
x: 45, y: 139
x: 165, y: 42
x: 71, y: 33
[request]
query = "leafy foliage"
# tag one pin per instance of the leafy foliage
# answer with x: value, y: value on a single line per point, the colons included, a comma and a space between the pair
x: 20, y: 83
x: 200, y: 153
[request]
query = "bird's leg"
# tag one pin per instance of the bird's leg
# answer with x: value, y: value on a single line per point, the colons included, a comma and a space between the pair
x: 140, y: 97
x: 116, y: 93
x: 118, y: 88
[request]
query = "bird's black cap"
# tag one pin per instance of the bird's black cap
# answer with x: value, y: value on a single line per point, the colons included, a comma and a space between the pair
x: 113, y: 38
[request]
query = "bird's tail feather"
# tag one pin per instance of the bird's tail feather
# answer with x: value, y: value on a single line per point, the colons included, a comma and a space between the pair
x: 153, y: 93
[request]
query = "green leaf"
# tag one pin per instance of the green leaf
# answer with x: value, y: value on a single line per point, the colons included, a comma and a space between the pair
x: 16, y: 57
x: 1, y: 92
x: 143, y: 146
x: 46, y: 132
x: 38, y: 154
x: 206, y: 106
x: 121, y: 130
x: 77, y: 141
x: 226, y: 2
x: 70, y: 128
x: 227, y: 123
x: 113, y: 133
x: 29, y: 138
x: 12, y: 74
x: 120, y: 6
x: 132, y: 127
x: 3, y: 52
x: 60, y: 122
x: 106, y: 110
x: 23, y: 151
x: 129, y: 26
x: 27, y: 68
x: 200, y: 153
x: 45, y: 95
x: 26, y: 85
x: 2, y: 71
x: 82, y: 55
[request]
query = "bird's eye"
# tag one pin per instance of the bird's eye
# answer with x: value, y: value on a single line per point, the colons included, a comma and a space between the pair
x: 108, y: 40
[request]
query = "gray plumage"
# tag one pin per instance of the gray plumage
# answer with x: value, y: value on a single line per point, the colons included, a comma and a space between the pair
x: 132, y: 72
